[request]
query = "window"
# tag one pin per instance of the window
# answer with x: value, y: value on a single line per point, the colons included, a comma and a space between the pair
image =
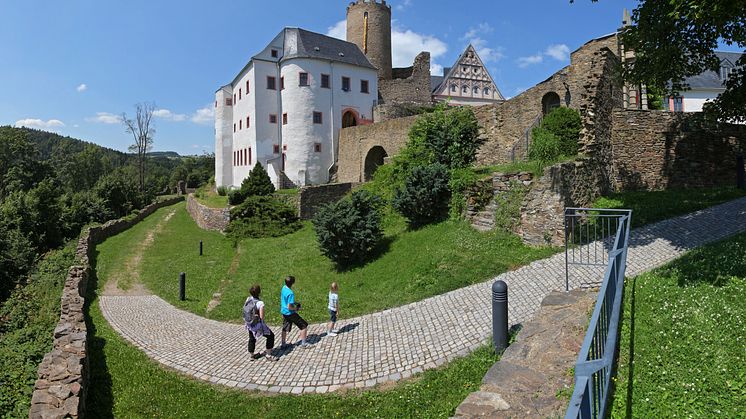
x: 228, y: 102
x: 272, y: 118
x: 453, y: 88
x: 273, y: 53
x: 317, y: 147
x: 239, y: 93
x: 271, y: 83
x: 245, y: 157
x: 346, y: 84
x: 284, y: 147
x: 282, y: 83
x: 276, y: 149
x: 234, y: 158
x: 325, y: 81
x: 234, y: 127
x: 302, y: 79
x: 725, y: 72
x: 364, y: 86
x: 486, y: 90
x: 240, y: 124
x: 678, y: 104
x: 317, y: 118
x: 465, y: 89
x: 284, y: 119
x: 248, y: 122
x: 247, y: 87
x: 475, y: 90
x: 249, y: 155
x: 234, y: 98
x: 216, y: 103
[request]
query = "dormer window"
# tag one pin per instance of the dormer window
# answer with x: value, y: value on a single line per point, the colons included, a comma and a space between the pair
x: 725, y: 72
x: 273, y: 53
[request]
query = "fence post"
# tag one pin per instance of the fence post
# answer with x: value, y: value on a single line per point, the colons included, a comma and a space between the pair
x: 200, y: 247
x: 500, y: 315
x: 182, y: 286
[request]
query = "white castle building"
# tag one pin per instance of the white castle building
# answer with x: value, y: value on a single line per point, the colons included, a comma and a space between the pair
x: 285, y: 108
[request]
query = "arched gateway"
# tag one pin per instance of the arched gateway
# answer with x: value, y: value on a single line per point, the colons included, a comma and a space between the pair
x: 373, y: 160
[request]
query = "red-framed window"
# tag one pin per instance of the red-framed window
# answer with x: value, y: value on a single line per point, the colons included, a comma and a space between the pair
x: 234, y: 98
x: 302, y: 79
x: 276, y: 149
x: 284, y: 147
x: 234, y: 157
x: 346, y: 84
x: 247, y: 87
x: 216, y: 103
x: 317, y: 147
x: 325, y: 81
x: 228, y: 102
x: 282, y: 83
x: 271, y: 83
x: 249, y: 155
x: 234, y: 127
x: 272, y: 118
x: 248, y: 121
x: 364, y: 86
x: 245, y: 157
x: 285, y: 119
x: 239, y: 93
x: 240, y: 124
x: 318, y: 117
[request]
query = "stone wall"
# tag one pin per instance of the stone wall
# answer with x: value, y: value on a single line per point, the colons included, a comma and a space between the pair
x: 659, y: 150
x: 408, y: 85
x: 356, y: 142
x: 495, y: 194
x: 313, y: 197
x: 213, y: 219
x: 62, y: 376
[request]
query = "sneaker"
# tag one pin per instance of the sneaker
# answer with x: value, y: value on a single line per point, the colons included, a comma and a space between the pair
x: 335, y: 331
x: 305, y: 345
x: 332, y: 333
x: 254, y: 357
x: 271, y: 358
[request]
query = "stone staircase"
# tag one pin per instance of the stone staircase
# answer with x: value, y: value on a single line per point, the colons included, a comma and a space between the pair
x: 482, y: 216
x: 483, y: 220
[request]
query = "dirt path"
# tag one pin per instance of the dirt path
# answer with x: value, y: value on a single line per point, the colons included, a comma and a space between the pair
x: 216, y: 298
x: 131, y: 268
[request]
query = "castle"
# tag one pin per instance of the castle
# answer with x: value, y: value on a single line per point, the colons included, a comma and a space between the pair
x: 285, y: 108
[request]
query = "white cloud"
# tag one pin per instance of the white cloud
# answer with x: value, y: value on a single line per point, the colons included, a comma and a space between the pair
x: 524, y: 62
x: 404, y: 5
x: 560, y: 52
x: 339, y: 30
x: 436, y: 69
x: 168, y: 115
x: 475, y: 36
x: 82, y: 88
x: 105, y: 118
x: 405, y: 44
x: 50, y: 125
x: 204, y: 115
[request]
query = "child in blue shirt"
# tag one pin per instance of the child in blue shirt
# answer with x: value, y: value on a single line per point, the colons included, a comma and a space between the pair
x: 333, y: 308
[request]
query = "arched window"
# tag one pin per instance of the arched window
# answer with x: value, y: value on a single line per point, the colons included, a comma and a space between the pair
x: 476, y: 90
x: 465, y: 89
x: 550, y: 101
x: 453, y: 87
x: 486, y: 90
x: 348, y: 119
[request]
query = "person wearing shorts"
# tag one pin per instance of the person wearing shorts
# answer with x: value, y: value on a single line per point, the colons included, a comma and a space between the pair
x: 289, y: 310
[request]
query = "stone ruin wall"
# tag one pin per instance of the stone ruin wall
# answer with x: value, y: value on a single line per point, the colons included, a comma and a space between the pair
x: 212, y: 219
x: 63, y: 374
x: 408, y: 85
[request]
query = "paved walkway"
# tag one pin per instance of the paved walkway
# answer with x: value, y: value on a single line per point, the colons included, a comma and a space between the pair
x: 391, y: 344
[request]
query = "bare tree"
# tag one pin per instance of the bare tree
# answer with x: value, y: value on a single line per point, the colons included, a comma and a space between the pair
x: 142, y: 131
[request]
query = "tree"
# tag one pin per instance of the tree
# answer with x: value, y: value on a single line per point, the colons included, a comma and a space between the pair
x: 142, y: 131
x: 676, y: 39
x: 446, y: 136
x: 425, y: 195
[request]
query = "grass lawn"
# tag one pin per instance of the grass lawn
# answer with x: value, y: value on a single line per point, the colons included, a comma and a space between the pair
x: 416, y: 265
x: 649, y: 207
x: 683, y: 338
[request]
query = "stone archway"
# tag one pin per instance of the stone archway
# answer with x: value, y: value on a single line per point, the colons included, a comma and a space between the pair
x: 349, y: 119
x: 550, y: 101
x: 373, y: 160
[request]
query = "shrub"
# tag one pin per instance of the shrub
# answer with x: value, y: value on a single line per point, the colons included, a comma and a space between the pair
x: 222, y: 190
x: 235, y: 197
x: 258, y: 183
x: 262, y: 216
x: 348, y: 230
x: 545, y: 146
x: 194, y: 180
x: 565, y: 124
x: 425, y: 195
x: 446, y: 136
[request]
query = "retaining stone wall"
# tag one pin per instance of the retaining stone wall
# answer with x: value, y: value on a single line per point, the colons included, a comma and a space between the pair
x: 313, y: 197
x: 213, y: 219
x: 62, y: 376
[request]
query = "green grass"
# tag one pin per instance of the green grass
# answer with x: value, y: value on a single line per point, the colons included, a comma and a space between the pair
x: 649, y: 207
x: 212, y: 200
x: 415, y: 265
x: 683, y: 338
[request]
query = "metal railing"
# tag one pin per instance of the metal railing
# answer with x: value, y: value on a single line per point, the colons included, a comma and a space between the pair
x: 596, y: 358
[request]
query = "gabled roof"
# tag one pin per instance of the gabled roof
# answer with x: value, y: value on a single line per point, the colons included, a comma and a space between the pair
x: 450, y: 72
x: 709, y: 79
x: 300, y: 43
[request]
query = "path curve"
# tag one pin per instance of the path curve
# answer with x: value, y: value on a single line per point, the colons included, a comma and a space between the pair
x: 392, y: 344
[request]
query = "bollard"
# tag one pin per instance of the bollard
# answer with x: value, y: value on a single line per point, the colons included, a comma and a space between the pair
x: 500, y: 315
x: 740, y: 181
x: 182, y: 286
x: 200, y: 247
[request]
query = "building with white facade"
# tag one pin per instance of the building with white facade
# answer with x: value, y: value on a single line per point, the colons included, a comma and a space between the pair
x: 466, y: 83
x: 285, y: 108
x: 703, y: 87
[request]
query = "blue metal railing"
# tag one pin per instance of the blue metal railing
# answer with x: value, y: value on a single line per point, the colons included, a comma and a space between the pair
x: 596, y: 358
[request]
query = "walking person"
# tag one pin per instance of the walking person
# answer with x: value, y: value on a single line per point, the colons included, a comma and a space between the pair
x: 253, y: 315
x: 333, y: 308
x: 289, y: 309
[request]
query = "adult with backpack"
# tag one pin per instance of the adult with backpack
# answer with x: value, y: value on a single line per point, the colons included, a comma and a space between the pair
x: 253, y: 316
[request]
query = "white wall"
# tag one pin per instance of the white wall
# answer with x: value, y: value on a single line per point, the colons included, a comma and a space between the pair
x: 695, y: 99
x: 223, y: 138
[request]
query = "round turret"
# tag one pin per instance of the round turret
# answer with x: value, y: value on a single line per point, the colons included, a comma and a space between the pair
x: 369, y: 27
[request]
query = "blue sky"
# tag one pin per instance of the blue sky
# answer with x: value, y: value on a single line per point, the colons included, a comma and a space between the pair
x: 72, y: 66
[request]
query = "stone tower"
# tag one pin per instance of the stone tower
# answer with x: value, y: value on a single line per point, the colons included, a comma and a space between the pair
x: 369, y: 27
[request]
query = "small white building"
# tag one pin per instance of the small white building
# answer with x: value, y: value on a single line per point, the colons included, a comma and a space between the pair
x: 468, y: 82
x: 703, y: 87
x: 286, y: 106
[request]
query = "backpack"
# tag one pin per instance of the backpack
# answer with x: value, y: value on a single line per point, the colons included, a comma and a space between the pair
x: 251, y: 312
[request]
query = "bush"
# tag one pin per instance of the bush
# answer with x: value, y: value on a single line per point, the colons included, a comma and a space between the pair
x: 545, y: 146
x: 565, y: 124
x: 222, y: 190
x: 425, y: 195
x: 258, y: 183
x: 348, y: 230
x: 262, y: 216
x: 446, y: 136
x: 235, y: 197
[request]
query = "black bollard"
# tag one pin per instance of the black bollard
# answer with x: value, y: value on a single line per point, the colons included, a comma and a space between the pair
x: 500, y: 315
x: 200, y: 247
x: 740, y: 181
x: 182, y: 286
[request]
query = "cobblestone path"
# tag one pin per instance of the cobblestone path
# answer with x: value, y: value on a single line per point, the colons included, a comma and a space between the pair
x: 392, y: 344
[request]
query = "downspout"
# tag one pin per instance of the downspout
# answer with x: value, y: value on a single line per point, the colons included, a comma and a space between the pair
x: 331, y: 115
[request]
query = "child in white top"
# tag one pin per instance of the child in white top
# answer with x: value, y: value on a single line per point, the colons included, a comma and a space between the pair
x: 333, y: 308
